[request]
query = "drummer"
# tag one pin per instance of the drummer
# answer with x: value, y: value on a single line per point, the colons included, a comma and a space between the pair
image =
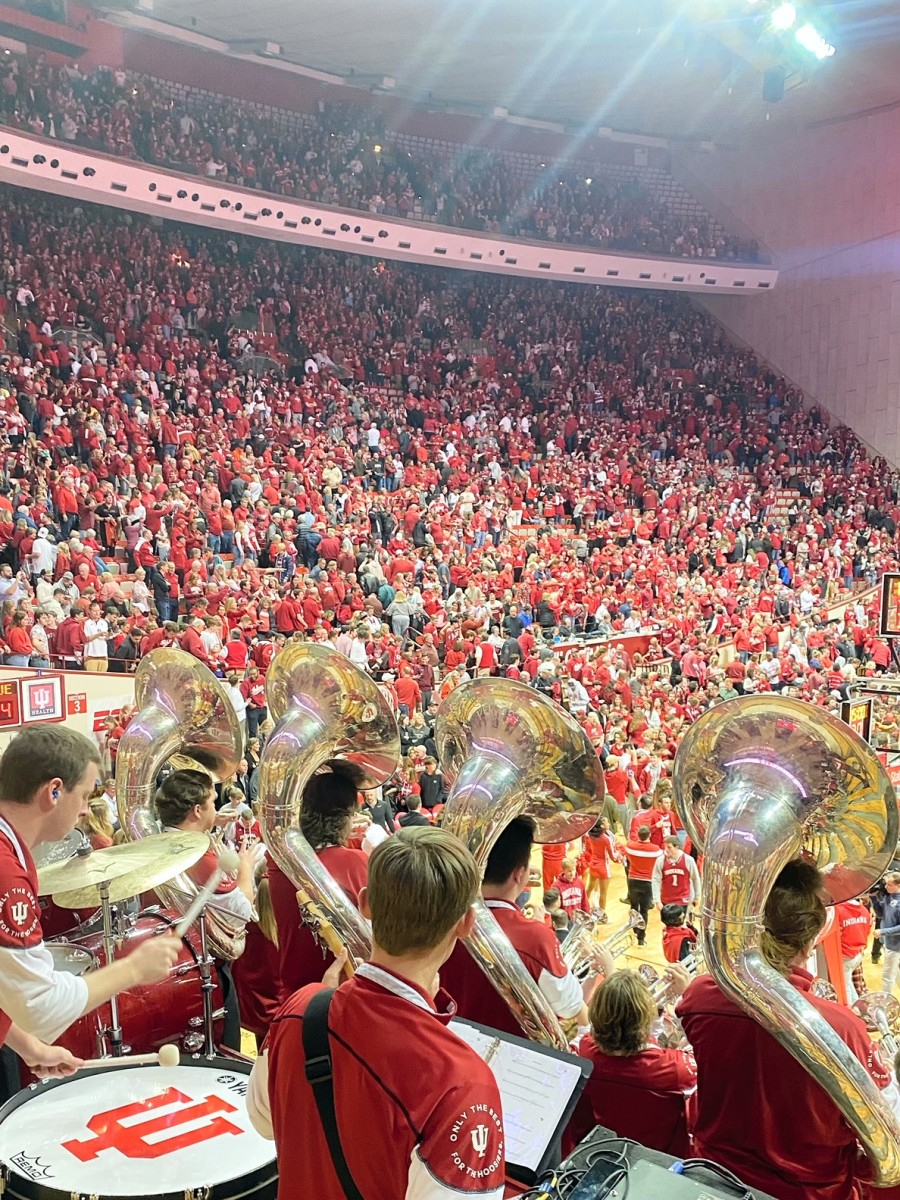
x: 47, y: 774
x: 187, y: 801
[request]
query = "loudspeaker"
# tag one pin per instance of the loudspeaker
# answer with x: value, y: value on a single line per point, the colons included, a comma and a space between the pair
x: 773, y: 85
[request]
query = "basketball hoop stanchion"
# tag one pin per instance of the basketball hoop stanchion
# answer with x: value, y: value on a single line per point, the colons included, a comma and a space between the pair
x: 830, y: 946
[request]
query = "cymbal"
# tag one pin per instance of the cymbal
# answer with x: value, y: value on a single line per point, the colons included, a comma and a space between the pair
x: 129, y: 869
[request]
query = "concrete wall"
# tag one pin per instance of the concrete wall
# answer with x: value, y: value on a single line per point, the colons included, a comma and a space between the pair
x: 826, y: 201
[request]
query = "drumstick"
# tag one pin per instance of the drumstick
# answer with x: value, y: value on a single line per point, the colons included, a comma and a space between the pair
x: 166, y: 1056
x: 228, y: 861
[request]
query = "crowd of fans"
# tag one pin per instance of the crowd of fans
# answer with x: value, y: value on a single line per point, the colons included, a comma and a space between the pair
x: 448, y: 474
x: 344, y: 155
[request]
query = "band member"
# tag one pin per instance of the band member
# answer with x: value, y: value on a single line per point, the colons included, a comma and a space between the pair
x: 326, y: 820
x: 47, y: 774
x: 636, y: 1087
x: 676, y: 879
x: 417, y: 1111
x: 505, y: 879
x: 257, y: 971
x: 187, y: 801
x: 753, y: 1129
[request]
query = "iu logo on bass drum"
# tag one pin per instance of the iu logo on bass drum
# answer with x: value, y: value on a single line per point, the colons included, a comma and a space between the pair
x: 133, y: 1140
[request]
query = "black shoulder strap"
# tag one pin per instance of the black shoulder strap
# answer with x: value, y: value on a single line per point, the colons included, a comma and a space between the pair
x: 318, y: 1072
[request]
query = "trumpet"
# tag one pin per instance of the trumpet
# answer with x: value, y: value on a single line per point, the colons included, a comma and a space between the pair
x: 660, y: 986
x: 881, y: 1013
x: 581, y: 943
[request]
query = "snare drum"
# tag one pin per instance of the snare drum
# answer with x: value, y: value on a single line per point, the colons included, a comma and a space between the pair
x: 70, y: 960
x: 151, y: 1014
x: 175, y: 1133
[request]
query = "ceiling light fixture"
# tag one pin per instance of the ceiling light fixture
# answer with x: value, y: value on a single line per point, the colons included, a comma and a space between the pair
x: 783, y: 17
x: 810, y: 39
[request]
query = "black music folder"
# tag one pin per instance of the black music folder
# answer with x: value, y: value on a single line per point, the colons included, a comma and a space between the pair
x: 539, y: 1089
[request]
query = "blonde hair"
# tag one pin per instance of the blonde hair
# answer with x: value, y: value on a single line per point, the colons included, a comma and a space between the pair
x: 266, y: 919
x: 97, y: 820
x: 421, y: 883
x: 621, y: 1013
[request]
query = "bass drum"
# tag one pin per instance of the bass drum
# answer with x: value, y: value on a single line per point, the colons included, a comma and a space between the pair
x: 152, y: 1014
x: 172, y: 1133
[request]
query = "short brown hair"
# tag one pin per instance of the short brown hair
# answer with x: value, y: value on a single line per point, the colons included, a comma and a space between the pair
x: 622, y: 1012
x: 794, y: 914
x: 39, y: 754
x: 181, y: 792
x: 421, y: 882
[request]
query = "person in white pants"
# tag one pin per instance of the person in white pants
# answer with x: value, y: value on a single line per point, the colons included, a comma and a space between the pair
x: 890, y: 931
x: 854, y: 921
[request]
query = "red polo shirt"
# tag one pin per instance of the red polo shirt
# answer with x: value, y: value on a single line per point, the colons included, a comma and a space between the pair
x: 418, y: 1112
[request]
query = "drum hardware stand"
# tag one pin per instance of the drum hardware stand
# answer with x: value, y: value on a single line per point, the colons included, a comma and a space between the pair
x: 114, y: 1032
x: 207, y: 987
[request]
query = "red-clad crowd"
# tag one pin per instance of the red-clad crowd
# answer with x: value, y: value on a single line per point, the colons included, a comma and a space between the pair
x: 345, y: 156
x: 441, y: 474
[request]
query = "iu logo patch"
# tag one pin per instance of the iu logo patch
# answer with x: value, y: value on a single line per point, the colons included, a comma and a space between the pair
x: 19, y: 916
x: 480, y: 1140
x: 131, y: 1139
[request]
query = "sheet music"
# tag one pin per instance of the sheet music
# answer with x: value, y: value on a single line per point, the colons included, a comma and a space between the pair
x: 534, y: 1091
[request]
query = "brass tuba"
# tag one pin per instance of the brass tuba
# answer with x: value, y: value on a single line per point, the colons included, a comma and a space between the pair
x: 326, y: 709
x: 183, y: 712
x: 507, y: 751
x: 759, y: 781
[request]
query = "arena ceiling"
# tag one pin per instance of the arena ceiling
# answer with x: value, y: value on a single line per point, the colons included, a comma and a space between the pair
x: 653, y: 66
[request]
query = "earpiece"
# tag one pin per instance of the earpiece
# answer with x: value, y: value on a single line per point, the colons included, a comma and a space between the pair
x: 56, y: 793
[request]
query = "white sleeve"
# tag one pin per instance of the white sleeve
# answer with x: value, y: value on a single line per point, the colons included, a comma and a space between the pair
x: 258, y: 1108
x: 40, y: 1000
x: 562, y: 992
x: 422, y: 1185
x: 235, y: 903
x: 656, y: 880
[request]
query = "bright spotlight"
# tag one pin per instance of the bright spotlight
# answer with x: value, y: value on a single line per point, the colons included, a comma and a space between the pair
x: 810, y: 39
x: 783, y: 17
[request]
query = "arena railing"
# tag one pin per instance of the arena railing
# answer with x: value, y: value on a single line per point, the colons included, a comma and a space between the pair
x: 29, y: 161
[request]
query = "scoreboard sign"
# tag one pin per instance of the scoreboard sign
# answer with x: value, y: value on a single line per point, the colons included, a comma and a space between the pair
x: 857, y: 714
x: 42, y: 699
x: 10, y: 704
x: 889, y: 623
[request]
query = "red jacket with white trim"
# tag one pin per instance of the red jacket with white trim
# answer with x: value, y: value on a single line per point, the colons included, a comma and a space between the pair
x: 397, y: 1069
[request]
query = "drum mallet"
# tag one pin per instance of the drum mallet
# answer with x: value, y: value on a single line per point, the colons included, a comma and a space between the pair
x: 228, y: 861
x: 166, y: 1056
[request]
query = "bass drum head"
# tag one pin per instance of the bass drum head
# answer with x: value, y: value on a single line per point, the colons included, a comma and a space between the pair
x: 165, y: 1132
